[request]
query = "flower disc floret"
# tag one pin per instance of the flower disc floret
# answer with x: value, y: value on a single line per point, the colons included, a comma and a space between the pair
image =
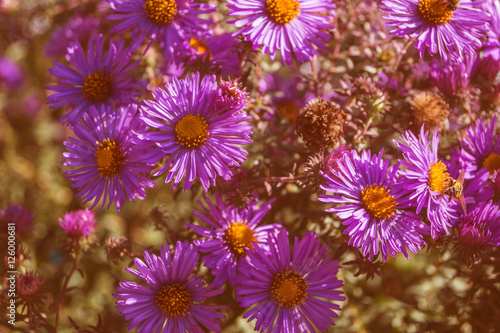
x: 97, y: 87
x: 438, y: 177
x: 109, y: 157
x: 191, y: 131
x: 161, y: 11
x: 434, y: 11
x: 174, y: 299
x: 289, y: 288
x: 238, y: 237
x: 492, y: 162
x: 378, y: 201
x: 282, y: 11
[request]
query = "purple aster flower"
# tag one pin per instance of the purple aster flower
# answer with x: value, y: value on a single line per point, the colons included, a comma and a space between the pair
x: 290, y: 292
x: 492, y: 45
x: 232, y: 233
x: 217, y: 54
x: 479, y: 149
x: 232, y: 94
x: 10, y: 74
x: 291, y: 26
x: 78, y: 28
x: 200, y: 135
x: 428, y: 180
x: 18, y: 215
x: 451, y: 77
x: 171, y: 297
x: 100, y: 78
x: 171, y: 22
x: 375, y: 200
x: 442, y: 28
x: 105, y: 157
x: 79, y: 223
x: 477, y: 232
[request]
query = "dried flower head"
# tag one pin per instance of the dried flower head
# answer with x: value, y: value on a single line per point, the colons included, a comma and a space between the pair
x: 30, y: 290
x: 428, y: 109
x: 117, y: 248
x: 321, y: 124
x: 369, y: 99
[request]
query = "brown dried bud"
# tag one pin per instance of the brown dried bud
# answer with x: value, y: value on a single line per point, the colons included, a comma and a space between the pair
x: 28, y: 285
x: 430, y: 109
x: 321, y: 124
x: 117, y: 248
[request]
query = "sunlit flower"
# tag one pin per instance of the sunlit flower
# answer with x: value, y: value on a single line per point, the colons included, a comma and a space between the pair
x: 79, y: 223
x: 290, y: 292
x: 98, y: 78
x: 104, y: 157
x: 231, y: 234
x: 170, y: 22
x: 293, y: 27
x: 377, y: 202
x: 200, y: 135
x: 438, y: 27
x: 172, y: 295
x: 428, y: 179
x: 477, y: 232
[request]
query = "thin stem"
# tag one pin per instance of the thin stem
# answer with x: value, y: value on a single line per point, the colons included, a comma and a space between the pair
x: 401, y: 54
x: 65, y: 286
x: 277, y: 179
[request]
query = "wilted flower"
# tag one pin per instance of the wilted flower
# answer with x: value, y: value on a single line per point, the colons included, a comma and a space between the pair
x: 428, y: 109
x: 321, y: 124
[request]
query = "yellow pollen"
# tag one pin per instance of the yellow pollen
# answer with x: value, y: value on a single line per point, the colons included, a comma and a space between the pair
x: 289, y: 288
x: 200, y: 46
x: 238, y: 237
x: 191, y: 131
x: 492, y: 162
x: 97, y: 86
x: 434, y: 11
x: 438, y: 177
x: 174, y: 300
x: 110, y: 157
x: 282, y: 11
x: 161, y: 11
x: 378, y: 201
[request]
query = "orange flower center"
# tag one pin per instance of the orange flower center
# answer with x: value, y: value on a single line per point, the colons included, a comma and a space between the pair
x: 435, y: 11
x: 191, y: 131
x: 174, y: 300
x: 200, y: 46
x: 97, y: 86
x: 161, y: 11
x: 492, y: 162
x: 289, y: 288
x: 110, y: 158
x: 282, y: 11
x: 438, y: 177
x: 238, y: 237
x: 378, y: 202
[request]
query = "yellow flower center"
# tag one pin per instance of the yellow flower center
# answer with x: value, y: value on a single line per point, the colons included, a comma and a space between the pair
x: 174, y: 300
x: 110, y: 157
x: 161, y: 11
x: 97, y: 86
x: 492, y: 162
x: 289, y: 288
x: 238, y: 237
x: 191, y: 130
x: 282, y: 11
x: 435, y: 11
x: 378, y: 202
x: 200, y: 46
x: 438, y: 177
